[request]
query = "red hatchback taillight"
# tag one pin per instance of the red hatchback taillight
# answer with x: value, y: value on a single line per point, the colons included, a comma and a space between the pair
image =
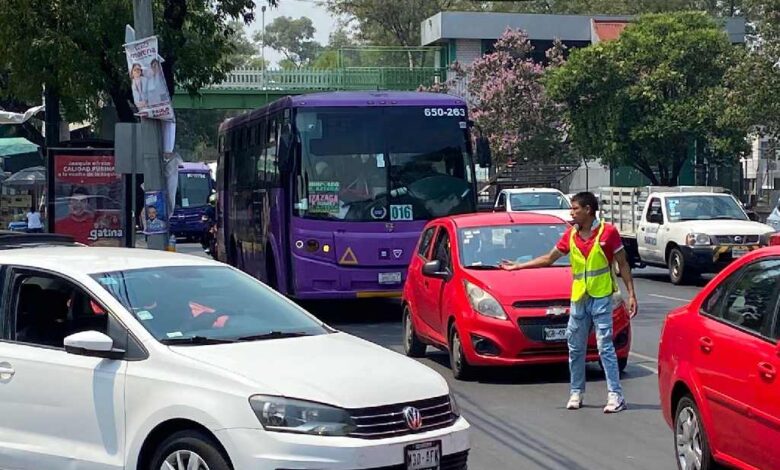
x: 774, y: 239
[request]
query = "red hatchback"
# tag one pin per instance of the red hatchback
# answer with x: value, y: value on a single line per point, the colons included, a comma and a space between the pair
x: 456, y: 297
x: 718, y: 366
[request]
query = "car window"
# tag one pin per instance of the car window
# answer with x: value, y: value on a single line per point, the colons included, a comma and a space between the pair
x: 654, y: 209
x: 488, y: 246
x: 748, y: 302
x: 425, y: 241
x: 49, y: 308
x: 217, y: 302
x: 442, y: 250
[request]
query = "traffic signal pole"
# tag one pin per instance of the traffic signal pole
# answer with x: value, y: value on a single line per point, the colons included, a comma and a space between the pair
x: 150, y: 130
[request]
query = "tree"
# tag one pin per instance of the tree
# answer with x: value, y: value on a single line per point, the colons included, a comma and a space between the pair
x: 509, y: 102
x: 294, y: 38
x: 329, y: 58
x: 648, y: 98
x: 244, y: 52
x: 75, y: 48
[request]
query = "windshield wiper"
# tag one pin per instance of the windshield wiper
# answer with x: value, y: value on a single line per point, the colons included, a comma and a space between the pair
x: 482, y: 266
x: 195, y: 340
x: 274, y: 335
x: 725, y: 217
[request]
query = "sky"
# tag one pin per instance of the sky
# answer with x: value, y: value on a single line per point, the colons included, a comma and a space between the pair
x: 323, y: 21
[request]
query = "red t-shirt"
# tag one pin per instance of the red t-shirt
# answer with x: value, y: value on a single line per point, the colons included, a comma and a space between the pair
x: 610, y: 242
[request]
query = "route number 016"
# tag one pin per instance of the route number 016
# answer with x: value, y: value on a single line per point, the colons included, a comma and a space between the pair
x: 444, y: 112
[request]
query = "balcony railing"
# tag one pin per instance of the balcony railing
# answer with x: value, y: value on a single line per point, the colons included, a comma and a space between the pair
x: 369, y: 78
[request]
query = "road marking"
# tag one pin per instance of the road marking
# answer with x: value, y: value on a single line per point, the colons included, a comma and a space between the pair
x: 677, y: 299
x: 647, y: 359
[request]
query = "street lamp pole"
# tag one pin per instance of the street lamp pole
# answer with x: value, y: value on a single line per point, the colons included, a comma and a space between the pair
x: 262, y: 40
x: 150, y: 129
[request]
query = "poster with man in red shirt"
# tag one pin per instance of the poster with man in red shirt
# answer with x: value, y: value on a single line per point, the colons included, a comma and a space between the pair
x: 88, y: 199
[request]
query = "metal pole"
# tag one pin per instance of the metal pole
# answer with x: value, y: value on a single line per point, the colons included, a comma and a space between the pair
x: 150, y: 129
x: 262, y: 40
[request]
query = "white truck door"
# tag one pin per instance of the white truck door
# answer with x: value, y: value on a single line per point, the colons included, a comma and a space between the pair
x: 648, y: 242
x: 501, y: 203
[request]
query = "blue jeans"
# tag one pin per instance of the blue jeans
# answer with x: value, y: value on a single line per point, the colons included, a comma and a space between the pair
x: 584, y: 313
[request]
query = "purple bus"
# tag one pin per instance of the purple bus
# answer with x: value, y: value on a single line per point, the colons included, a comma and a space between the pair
x: 192, y: 197
x: 324, y: 196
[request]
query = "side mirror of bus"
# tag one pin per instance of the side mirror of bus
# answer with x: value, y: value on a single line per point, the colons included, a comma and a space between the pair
x: 484, y: 154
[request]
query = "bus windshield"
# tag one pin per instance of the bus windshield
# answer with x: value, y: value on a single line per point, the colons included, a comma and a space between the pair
x: 194, y: 190
x: 379, y: 164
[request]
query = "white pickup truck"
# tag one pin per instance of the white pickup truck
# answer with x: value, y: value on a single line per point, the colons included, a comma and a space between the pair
x: 689, y: 230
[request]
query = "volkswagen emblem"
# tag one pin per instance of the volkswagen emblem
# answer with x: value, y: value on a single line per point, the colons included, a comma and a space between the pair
x: 737, y: 239
x: 413, y: 418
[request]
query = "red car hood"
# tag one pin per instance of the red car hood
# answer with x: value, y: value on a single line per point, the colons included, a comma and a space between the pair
x: 508, y: 287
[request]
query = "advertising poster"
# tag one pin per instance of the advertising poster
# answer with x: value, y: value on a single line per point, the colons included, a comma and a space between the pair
x: 89, y: 199
x: 150, y: 92
x: 155, y: 213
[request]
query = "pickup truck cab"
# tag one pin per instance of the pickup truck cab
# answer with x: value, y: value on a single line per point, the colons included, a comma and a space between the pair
x: 546, y: 201
x: 689, y: 233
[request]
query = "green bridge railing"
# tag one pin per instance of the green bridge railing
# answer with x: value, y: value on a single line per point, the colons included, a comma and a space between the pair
x: 358, y: 78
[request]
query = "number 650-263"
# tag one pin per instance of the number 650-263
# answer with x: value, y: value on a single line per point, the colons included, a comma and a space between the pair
x: 444, y: 112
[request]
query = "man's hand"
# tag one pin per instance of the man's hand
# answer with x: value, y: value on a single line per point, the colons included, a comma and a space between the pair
x: 633, y: 306
x: 507, y: 265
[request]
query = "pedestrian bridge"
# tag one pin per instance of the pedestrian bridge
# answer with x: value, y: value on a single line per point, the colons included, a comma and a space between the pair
x: 252, y: 88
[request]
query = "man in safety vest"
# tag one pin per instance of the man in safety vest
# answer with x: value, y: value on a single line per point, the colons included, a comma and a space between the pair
x: 593, y: 246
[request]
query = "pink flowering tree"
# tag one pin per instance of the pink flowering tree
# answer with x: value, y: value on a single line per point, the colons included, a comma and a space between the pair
x: 509, y: 103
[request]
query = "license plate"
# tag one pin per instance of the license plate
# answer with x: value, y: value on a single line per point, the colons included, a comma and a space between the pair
x: 390, y: 278
x: 423, y: 456
x: 555, y: 334
x: 737, y: 252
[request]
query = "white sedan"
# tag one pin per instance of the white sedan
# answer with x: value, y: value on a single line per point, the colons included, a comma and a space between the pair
x: 146, y: 360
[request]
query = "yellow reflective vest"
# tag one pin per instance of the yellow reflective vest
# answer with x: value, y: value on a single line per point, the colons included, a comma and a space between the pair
x: 592, y: 276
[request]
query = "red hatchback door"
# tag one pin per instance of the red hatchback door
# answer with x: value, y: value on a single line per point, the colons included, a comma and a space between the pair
x: 730, y: 343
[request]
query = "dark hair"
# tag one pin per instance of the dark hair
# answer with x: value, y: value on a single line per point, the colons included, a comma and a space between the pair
x: 151, y: 206
x: 32, y: 209
x: 79, y: 190
x: 586, y: 198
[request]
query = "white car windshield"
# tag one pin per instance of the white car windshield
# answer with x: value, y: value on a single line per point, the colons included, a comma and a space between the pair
x: 201, y: 304
x: 538, y: 201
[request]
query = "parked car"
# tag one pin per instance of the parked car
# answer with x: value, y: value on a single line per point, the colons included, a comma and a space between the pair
x: 540, y: 200
x: 136, y: 359
x: 457, y: 298
x: 718, y: 364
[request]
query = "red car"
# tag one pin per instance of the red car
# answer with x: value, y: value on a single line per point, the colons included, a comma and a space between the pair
x: 718, y: 364
x: 456, y: 298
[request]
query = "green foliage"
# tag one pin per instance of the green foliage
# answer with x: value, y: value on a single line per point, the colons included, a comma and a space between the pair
x: 647, y: 98
x: 294, y: 38
x: 75, y: 47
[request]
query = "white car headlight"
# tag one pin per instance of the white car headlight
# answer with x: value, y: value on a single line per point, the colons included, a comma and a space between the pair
x: 484, y: 303
x: 302, y: 417
x: 698, y: 239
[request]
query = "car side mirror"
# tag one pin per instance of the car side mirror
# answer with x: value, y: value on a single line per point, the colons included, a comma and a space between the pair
x: 656, y: 219
x: 434, y: 269
x: 92, y: 344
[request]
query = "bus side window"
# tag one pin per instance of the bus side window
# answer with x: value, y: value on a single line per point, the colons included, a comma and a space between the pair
x: 272, y: 164
x: 259, y: 150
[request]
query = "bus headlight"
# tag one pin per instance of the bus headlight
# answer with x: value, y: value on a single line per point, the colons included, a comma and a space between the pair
x: 484, y: 303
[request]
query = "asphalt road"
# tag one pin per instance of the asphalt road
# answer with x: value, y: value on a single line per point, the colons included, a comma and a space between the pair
x: 518, y: 416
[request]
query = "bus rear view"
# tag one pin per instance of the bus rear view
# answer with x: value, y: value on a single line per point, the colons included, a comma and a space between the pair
x: 367, y: 171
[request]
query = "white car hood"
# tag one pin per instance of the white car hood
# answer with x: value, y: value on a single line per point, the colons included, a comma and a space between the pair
x: 725, y: 227
x: 336, y: 369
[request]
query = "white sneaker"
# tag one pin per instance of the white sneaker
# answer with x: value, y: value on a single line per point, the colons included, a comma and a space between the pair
x: 575, y: 401
x: 615, y: 403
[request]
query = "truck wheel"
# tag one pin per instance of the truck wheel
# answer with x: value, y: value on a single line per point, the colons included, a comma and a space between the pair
x: 677, y: 271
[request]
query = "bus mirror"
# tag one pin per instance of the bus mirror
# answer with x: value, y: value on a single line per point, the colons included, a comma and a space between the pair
x: 484, y: 154
x: 470, y: 123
